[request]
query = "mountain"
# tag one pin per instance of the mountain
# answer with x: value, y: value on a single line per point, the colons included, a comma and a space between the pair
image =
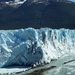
x: 47, y: 14
x: 34, y: 46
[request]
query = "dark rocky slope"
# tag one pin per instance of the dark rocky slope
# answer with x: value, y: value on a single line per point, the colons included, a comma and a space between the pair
x: 37, y: 15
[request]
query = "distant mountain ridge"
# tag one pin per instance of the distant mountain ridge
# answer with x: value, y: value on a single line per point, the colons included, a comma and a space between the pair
x: 17, y: 3
x: 37, y: 15
x: 44, y: 1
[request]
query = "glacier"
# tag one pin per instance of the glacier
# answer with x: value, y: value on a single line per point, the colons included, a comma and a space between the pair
x: 32, y: 47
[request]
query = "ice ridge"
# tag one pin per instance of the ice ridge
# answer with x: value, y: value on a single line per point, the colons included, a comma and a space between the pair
x: 34, y: 46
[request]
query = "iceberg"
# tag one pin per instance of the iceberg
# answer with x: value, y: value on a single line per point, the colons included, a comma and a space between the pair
x: 32, y: 47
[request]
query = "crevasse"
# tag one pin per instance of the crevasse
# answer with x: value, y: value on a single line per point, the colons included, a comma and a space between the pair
x: 34, y: 46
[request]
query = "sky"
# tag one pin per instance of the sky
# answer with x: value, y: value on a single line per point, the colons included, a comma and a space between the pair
x: 72, y: 0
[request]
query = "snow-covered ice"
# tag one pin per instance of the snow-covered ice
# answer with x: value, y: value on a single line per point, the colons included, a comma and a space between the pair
x: 11, y: 70
x: 34, y: 46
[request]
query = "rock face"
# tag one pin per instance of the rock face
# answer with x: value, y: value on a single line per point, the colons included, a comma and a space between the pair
x: 44, y: 1
x: 34, y: 46
x: 36, y: 1
x: 28, y: 2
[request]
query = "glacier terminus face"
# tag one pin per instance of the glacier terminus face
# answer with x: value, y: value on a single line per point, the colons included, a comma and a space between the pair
x: 34, y: 46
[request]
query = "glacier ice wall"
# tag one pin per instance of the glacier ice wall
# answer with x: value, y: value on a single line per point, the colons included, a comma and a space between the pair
x: 34, y: 46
